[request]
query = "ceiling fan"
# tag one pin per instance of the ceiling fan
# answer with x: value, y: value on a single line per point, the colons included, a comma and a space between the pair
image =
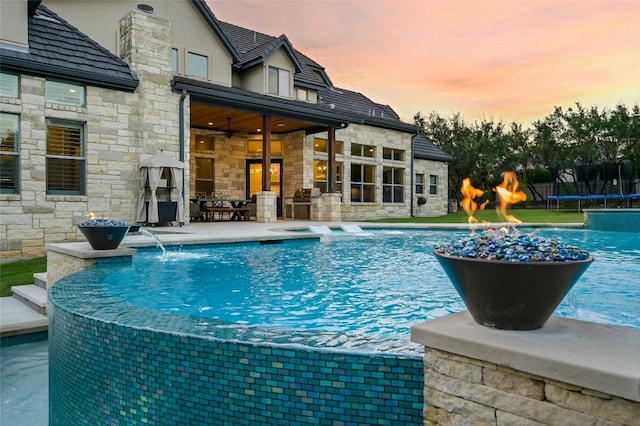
x: 228, y: 133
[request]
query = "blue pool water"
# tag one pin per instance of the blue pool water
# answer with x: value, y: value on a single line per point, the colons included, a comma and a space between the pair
x: 374, y: 286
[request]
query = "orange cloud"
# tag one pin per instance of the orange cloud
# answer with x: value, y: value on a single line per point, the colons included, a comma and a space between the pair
x: 511, y: 60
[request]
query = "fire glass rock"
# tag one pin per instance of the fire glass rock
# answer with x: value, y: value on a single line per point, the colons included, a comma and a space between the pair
x: 511, y: 282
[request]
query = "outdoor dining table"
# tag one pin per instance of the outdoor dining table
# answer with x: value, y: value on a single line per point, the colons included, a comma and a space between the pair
x: 237, y: 204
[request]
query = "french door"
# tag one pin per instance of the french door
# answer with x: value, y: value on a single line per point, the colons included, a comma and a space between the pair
x: 254, y: 177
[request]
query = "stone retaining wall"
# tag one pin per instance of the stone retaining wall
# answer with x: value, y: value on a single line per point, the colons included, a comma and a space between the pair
x: 461, y: 390
x: 567, y: 373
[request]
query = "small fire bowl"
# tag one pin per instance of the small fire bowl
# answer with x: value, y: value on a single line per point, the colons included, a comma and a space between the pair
x: 104, y: 237
x: 511, y: 295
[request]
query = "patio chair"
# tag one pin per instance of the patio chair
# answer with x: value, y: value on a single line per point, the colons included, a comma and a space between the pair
x: 194, y: 212
x: 217, y: 206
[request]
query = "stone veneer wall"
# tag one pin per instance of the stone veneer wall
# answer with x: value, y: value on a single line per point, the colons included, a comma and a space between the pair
x: 567, y: 373
x: 437, y: 204
x: 463, y: 390
x: 121, y: 128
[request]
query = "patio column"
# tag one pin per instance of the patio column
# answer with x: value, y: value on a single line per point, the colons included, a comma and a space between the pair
x: 266, y: 152
x: 331, y: 167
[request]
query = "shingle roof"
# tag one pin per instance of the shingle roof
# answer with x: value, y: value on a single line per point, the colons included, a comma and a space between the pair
x: 251, y: 44
x: 424, y: 149
x: 58, y: 49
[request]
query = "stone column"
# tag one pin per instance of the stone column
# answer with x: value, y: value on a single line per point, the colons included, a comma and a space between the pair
x: 326, y: 208
x: 266, y: 208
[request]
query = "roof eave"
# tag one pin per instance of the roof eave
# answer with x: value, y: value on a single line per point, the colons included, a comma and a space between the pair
x: 34, y: 68
x: 392, y: 125
x: 248, y: 103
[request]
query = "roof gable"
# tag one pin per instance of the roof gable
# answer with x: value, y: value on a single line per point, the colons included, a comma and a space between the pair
x: 254, y: 47
x: 261, y: 53
x: 59, y: 50
x: 215, y: 25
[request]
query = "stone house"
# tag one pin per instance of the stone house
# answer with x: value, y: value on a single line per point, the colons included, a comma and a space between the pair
x: 90, y: 89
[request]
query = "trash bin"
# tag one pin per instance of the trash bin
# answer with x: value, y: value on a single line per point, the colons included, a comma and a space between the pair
x: 453, y: 205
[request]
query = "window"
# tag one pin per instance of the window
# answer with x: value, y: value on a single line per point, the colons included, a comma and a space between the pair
x: 392, y: 185
x: 204, y: 175
x: 321, y: 176
x: 197, y: 65
x: 419, y: 183
x: 392, y: 154
x: 8, y: 85
x: 9, y: 153
x: 64, y: 93
x: 302, y: 94
x: 205, y: 143
x: 279, y: 81
x: 174, y: 60
x: 433, y: 184
x: 65, y: 158
x: 363, y: 183
x: 255, y: 147
x: 321, y: 145
x: 358, y: 150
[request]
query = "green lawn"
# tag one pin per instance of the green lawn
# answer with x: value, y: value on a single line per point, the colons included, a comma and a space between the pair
x: 525, y: 215
x: 19, y: 273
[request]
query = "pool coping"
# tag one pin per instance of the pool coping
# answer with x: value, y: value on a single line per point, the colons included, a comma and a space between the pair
x: 268, y: 232
x: 596, y: 356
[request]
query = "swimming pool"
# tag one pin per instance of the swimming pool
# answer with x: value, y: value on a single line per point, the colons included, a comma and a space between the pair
x: 177, y: 355
x: 372, y: 289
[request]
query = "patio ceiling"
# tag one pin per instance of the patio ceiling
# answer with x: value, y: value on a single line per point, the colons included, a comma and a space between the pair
x: 242, y: 122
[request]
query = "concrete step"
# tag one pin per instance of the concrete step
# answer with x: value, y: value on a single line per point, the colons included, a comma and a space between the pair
x: 18, y: 318
x: 40, y: 279
x: 33, y: 296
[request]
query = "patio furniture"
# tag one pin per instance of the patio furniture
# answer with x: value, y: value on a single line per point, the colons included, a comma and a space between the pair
x: 195, y: 213
x: 217, y: 206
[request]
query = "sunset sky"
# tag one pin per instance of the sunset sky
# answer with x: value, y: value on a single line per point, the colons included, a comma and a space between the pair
x: 509, y: 60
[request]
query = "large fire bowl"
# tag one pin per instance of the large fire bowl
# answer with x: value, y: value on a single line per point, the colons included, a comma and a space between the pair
x: 104, y: 237
x: 511, y: 295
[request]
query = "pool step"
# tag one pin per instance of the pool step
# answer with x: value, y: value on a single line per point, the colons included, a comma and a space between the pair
x: 40, y: 279
x: 33, y: 296
x: 17, y: 318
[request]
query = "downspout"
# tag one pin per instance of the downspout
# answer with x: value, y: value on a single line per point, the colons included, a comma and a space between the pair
x: 183, y: 96
x: 181, y: 112
x: 413, y: 159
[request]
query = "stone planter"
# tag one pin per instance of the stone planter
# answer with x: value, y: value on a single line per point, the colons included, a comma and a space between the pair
x: 104, y: 237
x: 511, y: 295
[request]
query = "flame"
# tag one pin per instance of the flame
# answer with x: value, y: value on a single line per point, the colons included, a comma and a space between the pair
x: 91, y: 215
x: 468, y: 203
x: 508, y: 195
